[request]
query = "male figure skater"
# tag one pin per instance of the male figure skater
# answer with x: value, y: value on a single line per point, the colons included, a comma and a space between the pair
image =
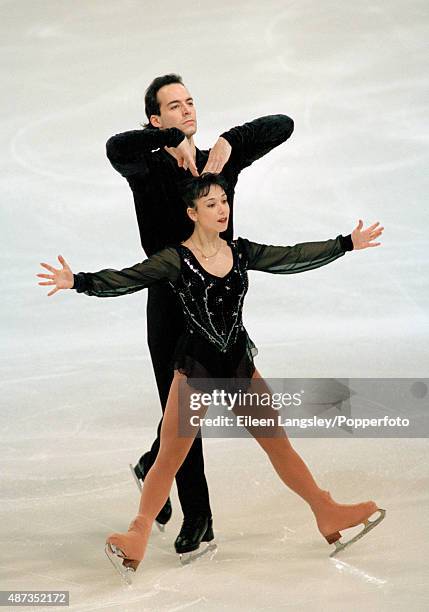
x: 154, y: 161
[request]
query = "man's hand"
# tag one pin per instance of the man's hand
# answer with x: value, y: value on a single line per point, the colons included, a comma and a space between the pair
x: 184, y: 155
x: 362, y: 239
x: 218, y: 156
x: 62, y: 279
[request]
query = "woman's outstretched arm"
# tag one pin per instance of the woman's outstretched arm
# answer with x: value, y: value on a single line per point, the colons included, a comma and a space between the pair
x: 164, y: 265
x: 308, y: 255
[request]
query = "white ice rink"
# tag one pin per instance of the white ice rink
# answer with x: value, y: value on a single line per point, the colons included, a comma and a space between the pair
x: 78, y: 395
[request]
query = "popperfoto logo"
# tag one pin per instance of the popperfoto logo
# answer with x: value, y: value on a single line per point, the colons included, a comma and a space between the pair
x: 304, y: 407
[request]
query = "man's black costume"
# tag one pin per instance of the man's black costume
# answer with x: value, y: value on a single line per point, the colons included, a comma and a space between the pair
x: 154, y: 176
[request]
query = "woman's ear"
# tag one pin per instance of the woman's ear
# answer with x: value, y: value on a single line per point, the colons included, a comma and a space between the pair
x: 192, y: 214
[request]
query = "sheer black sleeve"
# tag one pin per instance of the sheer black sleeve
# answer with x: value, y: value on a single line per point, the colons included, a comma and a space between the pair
x: 292, y: 259
x: 252, y: 140
x: 127, y: 151
x: 164, y: 265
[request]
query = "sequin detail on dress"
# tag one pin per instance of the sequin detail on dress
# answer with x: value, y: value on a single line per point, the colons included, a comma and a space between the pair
x: 212, y: 305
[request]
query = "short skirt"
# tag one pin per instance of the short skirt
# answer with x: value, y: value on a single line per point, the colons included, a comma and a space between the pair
x: 204, y: 364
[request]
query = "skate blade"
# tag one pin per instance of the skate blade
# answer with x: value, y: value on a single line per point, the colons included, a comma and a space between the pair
x: 115, y: 556
x: 160, y: 526
x: 368, y: 525
x: 136, y: 480
x: 203, y: 549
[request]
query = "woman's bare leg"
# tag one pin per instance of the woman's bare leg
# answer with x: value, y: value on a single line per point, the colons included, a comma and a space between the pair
x: 330, y: 516
x: 159, y: 480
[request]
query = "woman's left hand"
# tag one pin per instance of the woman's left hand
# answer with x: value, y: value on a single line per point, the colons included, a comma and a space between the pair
x: 362, y: 239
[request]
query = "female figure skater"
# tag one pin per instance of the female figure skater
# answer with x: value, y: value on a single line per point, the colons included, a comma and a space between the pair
x: 210, y: 276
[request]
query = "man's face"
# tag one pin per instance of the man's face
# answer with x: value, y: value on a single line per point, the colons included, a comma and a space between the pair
x: 176, y: 109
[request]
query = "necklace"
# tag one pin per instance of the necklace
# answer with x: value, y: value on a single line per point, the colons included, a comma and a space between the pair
x: 207, y: 257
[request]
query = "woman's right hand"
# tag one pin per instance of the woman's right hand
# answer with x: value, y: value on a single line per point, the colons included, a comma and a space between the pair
x: 62, y: 279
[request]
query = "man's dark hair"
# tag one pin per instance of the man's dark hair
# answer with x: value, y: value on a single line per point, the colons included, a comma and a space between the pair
x: 199, y: 186
x: 151, y: 103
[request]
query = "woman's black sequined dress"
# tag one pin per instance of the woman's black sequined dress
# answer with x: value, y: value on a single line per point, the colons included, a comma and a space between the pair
x: 215, y: 343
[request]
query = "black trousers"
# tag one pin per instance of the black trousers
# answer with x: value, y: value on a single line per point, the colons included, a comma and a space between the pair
x: 165, y: 324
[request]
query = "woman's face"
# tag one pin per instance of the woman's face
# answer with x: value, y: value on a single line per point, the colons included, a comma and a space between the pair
x: 212, y: 211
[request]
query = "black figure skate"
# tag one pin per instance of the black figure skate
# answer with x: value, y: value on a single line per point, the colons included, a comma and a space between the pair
x: 195, y: 539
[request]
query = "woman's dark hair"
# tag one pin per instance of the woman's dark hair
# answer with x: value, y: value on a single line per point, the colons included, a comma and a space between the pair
x: 151, y: 103
x: 199, y: 186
